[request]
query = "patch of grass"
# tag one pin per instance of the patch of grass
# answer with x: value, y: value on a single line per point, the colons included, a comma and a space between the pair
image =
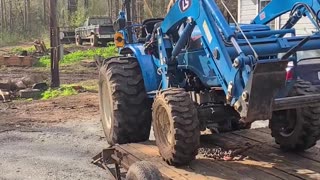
x: 77, y: 56
x: 91, y: 86
x: 60, y: 92
x: 44, y: 61
x: 71, y: 89
x: 19, y: 50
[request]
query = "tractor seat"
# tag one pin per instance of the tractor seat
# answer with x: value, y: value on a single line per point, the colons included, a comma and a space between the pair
x: 148, y: 26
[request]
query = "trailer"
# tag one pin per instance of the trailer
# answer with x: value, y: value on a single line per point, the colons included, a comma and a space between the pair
x: 245, y: 154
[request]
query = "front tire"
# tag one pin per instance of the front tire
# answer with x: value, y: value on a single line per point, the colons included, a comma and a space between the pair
x: 94, y: 40
x: 79, y: 41
x: 176, y: 126
x: 124, y: 105
x: 297, y: 129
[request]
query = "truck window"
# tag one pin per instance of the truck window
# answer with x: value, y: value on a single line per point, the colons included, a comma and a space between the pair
x: 100, y: 21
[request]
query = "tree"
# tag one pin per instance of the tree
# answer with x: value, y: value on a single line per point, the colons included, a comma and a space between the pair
x: 29, y: 18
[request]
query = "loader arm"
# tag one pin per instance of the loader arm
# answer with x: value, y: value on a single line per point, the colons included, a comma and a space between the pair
x: 303, y: 7
x: 249, y: 77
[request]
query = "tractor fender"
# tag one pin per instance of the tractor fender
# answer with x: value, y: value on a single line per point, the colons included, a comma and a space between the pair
x: 148, y: 68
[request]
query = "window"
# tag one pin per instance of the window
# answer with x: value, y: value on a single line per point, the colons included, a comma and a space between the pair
x: 262, y: 4
x: 100, y: 21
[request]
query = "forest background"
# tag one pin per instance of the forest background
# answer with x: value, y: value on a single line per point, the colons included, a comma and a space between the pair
x: 26, y: 20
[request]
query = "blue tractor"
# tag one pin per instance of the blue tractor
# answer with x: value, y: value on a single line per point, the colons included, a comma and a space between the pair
x: 192, y: 71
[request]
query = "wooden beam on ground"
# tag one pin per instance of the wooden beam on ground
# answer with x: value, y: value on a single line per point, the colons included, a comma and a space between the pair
x: 18, y: 61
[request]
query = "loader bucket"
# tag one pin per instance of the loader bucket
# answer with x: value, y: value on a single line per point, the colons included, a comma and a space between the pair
x: 262, y: 87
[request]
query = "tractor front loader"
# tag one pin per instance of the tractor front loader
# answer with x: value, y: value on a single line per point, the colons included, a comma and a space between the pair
x: 193, y: 71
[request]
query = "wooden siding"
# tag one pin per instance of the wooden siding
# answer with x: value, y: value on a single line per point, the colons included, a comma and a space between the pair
x: 248, y: 11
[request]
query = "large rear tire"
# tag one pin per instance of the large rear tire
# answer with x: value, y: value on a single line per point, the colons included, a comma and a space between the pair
x: 176, y: 126
x: 297, y: 129
x: 124, y: 105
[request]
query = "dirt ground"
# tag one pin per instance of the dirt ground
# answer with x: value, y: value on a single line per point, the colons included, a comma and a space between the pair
x: 52, y: 139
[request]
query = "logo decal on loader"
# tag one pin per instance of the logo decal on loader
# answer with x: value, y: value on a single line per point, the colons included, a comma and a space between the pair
x: 184, y: 5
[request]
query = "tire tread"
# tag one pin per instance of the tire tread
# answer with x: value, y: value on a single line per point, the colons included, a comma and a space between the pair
x: 131, y: 106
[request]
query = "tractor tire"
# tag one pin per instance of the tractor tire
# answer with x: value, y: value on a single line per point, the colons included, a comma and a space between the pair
x: 297, y: 129
x: 124, y: 105
x: 176, y: 126
x: 79, y: 41
x: 94, y: 40
x: 143, y: 170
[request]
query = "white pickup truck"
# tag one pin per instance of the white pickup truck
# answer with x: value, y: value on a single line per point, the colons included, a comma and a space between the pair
x: 96, y: 30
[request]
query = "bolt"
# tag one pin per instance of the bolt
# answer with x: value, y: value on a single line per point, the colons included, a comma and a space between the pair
x: 245, y: 96
x: 159, y: 71
x: 189, y: 20
x: 236, y: 63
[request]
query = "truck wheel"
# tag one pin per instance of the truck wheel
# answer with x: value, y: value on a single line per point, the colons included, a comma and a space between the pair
x: 124, y: 105
x: 176, y: 126
x: 94, y: 40
x: 297, y: 129
x: 143, y: 170
x: 79, y: 41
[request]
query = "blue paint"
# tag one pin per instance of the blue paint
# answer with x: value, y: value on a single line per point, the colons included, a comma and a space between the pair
x: 198, y: 63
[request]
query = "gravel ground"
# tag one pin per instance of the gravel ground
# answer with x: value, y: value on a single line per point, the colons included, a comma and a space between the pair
x: 52, y: 151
